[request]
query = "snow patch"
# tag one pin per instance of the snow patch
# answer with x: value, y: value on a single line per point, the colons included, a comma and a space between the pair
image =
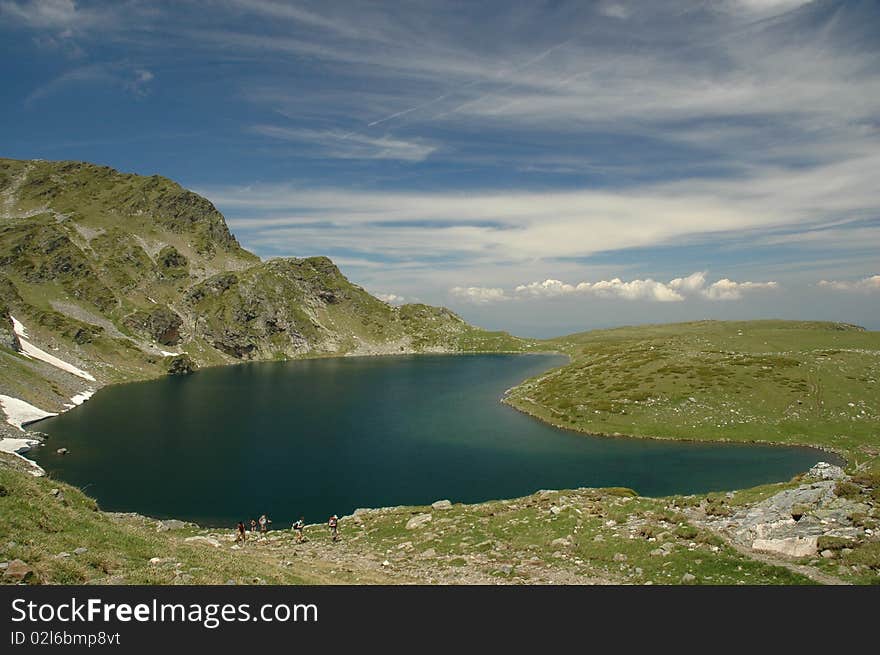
x: 31, y: 350
x: 82, y: 396
x: 20, y: 329
x: 168, y: 354
x: 18, y: 412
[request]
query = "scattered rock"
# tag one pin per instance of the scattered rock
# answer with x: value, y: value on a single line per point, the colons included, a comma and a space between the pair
x: 210, y: 541
x: 62, y: 451
x: 441, y: 505
x: 428, y: 554
x: 620, y: 557
x: 170, y: 524
x: 82, y: 550
x: 418, y: 521
x: 506, y: 569
x: 688, y: 578
x: 18, y: 571
x: 562, y: 542
x: 790, y: 546
x: 555, y: 510
x: 828, y: 553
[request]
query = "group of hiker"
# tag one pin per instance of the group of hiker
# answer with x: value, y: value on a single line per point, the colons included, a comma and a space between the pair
x: 298, y: 528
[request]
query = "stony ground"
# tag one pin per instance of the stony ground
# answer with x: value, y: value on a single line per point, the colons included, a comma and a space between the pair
x: 819, y: 528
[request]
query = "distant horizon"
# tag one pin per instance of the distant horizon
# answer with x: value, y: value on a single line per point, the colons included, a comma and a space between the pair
x: 538, y: 168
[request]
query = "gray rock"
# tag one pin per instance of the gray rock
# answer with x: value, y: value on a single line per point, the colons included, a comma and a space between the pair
x: 688, y: 578
x: 826, y: 471
x: 506, y: 569
x: 441, y: 505
x: 418, y: 521
x: 620, y: 557
x: 828, y: 554
x: 62, y: 451
x: 790, y: 546
x: 562, y: 542
x: 170, y: 524
x: 81, y: 551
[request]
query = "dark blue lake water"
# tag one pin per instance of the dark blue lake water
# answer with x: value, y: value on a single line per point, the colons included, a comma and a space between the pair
x: 326, y: 436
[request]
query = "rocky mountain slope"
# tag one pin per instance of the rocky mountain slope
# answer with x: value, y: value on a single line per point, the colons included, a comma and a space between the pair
x: 123, y: 277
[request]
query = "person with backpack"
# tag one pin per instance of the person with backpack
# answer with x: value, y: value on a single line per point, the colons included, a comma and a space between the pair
x: 333, y: 524
x: 242, y: 535
x: 298, y: 528
x: 253, y: 525
x: 264, y: 525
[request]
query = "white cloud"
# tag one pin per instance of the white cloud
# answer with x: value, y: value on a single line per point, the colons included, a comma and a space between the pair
x: 479, y: 295
x: 390, y: 298
x: 868, y: 284
x: 351, y: 145
x: 677, y: 290
x: 729, y: 290
x: 528, y: 225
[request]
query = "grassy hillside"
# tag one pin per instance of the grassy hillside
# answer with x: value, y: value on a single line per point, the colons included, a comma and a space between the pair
x: 775, y: 381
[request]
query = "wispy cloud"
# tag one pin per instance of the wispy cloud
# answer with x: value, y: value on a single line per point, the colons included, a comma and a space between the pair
x: 134, y: 80
x: 350, y: 145
x: 479, y: 295
x: 868, y: 284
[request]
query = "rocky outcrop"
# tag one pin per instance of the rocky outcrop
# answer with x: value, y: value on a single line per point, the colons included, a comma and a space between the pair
x: 179, y: 365
x: 160, y: 325
x: 8, y: 338
x: 794, y: 522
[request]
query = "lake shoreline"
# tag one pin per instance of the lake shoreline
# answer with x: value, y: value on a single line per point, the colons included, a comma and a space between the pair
x: 491, y: 392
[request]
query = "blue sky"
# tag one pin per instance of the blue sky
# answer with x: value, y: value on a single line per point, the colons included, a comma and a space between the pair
x: 543, y: 167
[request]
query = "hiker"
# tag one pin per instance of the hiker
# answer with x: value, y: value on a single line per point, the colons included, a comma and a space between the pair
x: 253, y: 526
x: 242, y: 535
x: 264, y: 525
x: 298, y: 528
x: 333, y: 525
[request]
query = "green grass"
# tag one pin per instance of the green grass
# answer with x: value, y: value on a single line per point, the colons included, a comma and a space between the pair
x: 772, y: 381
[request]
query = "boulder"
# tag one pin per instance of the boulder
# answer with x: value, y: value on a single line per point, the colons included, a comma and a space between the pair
x: 18, y: 571
x: 789, y: 546
x: 826, y: 471
x: 418, y: 521
x: 81, y: 551
x: 688, y: 578
x: 170, y: 524
x: 441, y: 505
x: 620, y: 557
x: 62, y: 451
x: 562, y: 542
